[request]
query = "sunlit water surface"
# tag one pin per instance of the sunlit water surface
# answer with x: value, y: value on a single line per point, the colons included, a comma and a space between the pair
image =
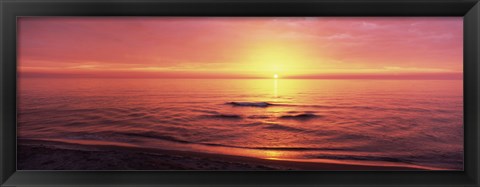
x: 416, y: 122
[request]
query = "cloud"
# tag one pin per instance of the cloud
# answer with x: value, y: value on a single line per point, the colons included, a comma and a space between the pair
x: 340, y: 36
x: 243, y: 44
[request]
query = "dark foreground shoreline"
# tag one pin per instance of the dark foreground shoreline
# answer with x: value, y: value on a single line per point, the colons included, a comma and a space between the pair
x: 50, y: 155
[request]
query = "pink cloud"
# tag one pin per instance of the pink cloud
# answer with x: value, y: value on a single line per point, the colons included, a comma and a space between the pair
x: 188, y: 43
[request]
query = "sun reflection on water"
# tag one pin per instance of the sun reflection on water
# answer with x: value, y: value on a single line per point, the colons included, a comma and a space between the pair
x: 275, y: 88
x: 273, y: 155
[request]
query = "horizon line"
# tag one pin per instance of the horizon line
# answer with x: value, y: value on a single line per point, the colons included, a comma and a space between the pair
x: 406, y: 76
x: 239, y: 78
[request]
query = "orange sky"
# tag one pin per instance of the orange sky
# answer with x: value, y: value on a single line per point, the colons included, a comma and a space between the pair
x: 327, y: 47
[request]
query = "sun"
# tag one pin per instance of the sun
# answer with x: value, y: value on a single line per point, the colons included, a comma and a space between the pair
x: 275, y: 76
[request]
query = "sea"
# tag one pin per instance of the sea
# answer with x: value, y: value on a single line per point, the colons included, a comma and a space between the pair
x: 376, y: 122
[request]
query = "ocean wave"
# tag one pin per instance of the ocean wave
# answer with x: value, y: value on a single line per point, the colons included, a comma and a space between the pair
x: 224, y: 116
x: 450, y: 160
x: 155, y: 135
x: 304, y: 116
x: 362, y: 158
x: 374, y: 108
x: 258, y: 117
x: 273, y: 126
x: 137, y: 114
x: 252, y: 124
x: 282, y: 128
x: 204, y: 111
x: 250, y: 104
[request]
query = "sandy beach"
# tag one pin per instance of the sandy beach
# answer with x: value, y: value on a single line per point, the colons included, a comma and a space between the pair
x: 51, y: 155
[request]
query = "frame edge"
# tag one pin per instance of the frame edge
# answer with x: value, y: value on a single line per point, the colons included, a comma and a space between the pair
x: 471, y: 77
x: 6, y: 169
x: 7, y: 92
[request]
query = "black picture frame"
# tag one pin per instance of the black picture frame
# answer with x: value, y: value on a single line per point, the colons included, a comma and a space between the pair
x: 11, y: 9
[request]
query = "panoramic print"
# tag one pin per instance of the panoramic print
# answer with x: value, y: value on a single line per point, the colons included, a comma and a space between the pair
x: 240, y: 93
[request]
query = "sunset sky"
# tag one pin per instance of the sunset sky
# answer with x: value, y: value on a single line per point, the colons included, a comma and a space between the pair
x: 327, y: 47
